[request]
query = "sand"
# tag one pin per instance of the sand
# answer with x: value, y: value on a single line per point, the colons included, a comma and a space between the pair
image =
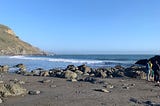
x: 60, y: 92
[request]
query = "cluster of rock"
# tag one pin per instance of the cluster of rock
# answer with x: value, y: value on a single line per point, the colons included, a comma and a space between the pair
x: 13, y: 88
x: 85, y: 73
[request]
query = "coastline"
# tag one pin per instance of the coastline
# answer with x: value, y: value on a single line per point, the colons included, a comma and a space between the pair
x: 59, y: 92
x: 70, y: 87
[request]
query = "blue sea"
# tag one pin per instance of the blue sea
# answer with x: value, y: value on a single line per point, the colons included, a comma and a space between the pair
x: 61, y: 61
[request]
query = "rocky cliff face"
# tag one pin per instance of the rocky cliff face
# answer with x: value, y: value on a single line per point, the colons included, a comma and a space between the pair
x: 10, y: 44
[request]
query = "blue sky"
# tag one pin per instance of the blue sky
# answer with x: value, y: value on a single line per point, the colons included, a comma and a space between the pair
x: 85, y: 26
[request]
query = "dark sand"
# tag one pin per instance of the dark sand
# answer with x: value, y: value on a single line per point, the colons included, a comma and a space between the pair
x: 68, y: 93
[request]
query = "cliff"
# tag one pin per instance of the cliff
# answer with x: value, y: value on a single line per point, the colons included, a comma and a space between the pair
x: 10, y: 44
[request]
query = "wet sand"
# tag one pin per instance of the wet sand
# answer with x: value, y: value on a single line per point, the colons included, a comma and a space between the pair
x: 60, y: 92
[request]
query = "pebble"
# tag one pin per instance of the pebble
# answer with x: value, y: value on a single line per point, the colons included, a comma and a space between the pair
x: 73, y: 80
x: 1, y: 100
x: 34, y: 92
x: 53, y: 86
x: 46, y: 81
x: 102, y: 90
x: 1, y: 82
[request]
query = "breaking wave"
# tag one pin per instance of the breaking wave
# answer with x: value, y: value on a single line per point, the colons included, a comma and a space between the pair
x: 58, y: 60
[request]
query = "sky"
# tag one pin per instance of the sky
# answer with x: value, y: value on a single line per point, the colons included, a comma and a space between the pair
x: 85, y: 26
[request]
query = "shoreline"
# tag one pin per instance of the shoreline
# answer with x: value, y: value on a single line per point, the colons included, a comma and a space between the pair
x: 65, y: 88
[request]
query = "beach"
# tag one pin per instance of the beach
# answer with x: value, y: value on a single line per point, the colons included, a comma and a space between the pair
x: 75, y: 85
x: 59, y: 92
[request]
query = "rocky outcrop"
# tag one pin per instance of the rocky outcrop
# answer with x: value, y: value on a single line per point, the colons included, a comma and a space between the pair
x: 152, y: 59
x: 10, y: 44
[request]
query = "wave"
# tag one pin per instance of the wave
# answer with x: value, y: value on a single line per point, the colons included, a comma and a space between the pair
x: 57, y: 60
x: 74, y: 61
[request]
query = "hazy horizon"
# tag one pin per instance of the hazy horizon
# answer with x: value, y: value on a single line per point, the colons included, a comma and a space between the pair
x: 86, y: 26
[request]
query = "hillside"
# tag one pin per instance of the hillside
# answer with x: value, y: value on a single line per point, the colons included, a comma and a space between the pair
x: 10, y: 44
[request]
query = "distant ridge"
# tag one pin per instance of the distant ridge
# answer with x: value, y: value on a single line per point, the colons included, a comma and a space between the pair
x: 10, y: 44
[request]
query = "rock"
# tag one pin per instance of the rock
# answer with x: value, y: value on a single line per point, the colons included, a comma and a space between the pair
x: 1, y: 82
x: 103, y: 74
x: 34, y: 92
x: 4, y: 68
x: 73, y: 80
x: 119, y: 67
x: 84, y: 68
x: 1, y: 100
x: 71, y: 67
x: 102, y: 90
x: 44, y: 73
x: 79, y: 72
x: 125, y: 87
x: 37, y: 71
x: 70, y: 75
x: 109, y: 86
x: 11, y: 90
x: 135, y: 101
x: 46, y: 81
x: 90, y: 79
x: 142, y: 62
x: 20, y: 66
x: 152, y: 59
x: 17, y: 81
x: 53, y: 86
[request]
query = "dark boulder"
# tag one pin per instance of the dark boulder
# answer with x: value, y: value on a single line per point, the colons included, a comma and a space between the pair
x: 155, y: 58
x: 152, y: 59
x: 142, y: 62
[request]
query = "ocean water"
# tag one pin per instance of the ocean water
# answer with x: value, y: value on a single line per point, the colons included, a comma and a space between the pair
x: 61, y: 61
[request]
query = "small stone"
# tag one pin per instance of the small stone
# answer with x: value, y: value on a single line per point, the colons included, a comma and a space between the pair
x: 105, y: 90
x: 102, y: 90
x: 133, y: 85
x: 46, y: 81
x: 1, y: 82
x: 1, y: 100
x: 21, y: 82
x: 109, y: 86
x: 73, y: 80
x: 34, y: 92
x: 125, y: 87
x: 53, y: 86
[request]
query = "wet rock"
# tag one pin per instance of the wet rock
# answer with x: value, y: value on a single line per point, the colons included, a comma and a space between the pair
x: 119, y: 67
x: 90, y: 79
x: 4, y: 68
x: 56, y: 73
x: 142, y: 62
x: 37, y: 71
x: 84, y: 68
x: 71, y: 67
x: 22, y: 68
x: 70, y: 75
x: 34, y: 92
x: 44, y: 73
x: 79, y: 72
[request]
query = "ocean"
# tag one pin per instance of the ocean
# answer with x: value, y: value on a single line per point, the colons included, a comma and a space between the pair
x: 62, y: 61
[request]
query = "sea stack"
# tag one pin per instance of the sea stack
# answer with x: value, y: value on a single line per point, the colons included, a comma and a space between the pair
x: 10, y: 44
